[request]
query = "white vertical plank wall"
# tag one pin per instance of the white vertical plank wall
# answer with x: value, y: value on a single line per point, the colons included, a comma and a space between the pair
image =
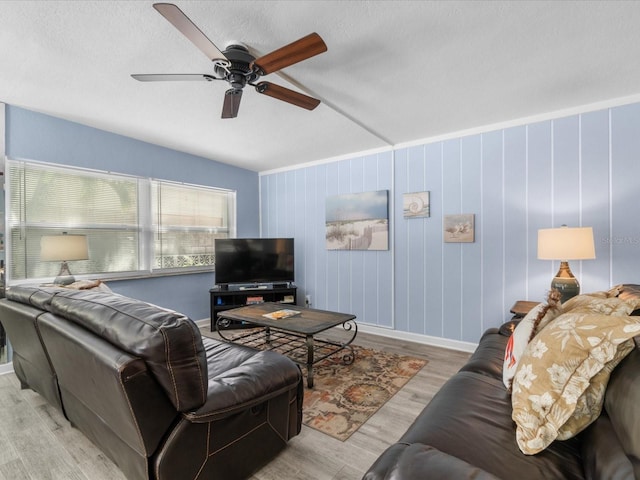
x: 581, y: 170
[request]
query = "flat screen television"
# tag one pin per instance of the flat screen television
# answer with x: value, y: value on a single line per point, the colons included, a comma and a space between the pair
x: 254, y: 260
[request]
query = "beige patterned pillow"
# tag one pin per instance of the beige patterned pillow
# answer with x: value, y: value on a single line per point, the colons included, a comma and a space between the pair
x: 586, y: 298
x: 562, y: 375
x: 537, y: 318
x: 589, y: 405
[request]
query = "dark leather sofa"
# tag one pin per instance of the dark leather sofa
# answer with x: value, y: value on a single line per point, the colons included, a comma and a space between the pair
x: 466, y: 431
x: 141, y: 383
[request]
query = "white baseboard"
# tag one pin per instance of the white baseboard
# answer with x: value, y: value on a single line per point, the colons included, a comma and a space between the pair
x: 418, y: 338
x: 204, y: 322
x: 411, y: 337
x: 6, y: 368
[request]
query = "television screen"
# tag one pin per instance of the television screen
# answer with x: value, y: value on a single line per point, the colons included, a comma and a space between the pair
x: 254, y: 260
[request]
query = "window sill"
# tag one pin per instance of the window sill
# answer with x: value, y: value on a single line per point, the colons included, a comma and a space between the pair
x: 117, y: 276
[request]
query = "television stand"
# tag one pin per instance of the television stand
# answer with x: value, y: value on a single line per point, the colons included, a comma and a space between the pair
x: 222, y: 300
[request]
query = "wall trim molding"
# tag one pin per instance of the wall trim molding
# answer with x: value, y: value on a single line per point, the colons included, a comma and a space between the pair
x: 518, y: 122
x: 6, y: 367
x: 3, y: 134
x: 346, y: 156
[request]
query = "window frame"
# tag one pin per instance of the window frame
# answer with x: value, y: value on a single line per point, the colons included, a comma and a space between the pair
x: 146, y: 227
x: 230, y: 229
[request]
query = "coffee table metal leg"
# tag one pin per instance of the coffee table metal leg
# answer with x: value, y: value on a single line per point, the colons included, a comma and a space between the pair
x: 310, y: 351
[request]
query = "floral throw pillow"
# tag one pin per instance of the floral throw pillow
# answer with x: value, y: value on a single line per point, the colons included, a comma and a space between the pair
x: 534, y: 321
x: 589, y: 298
x: 553, y: 384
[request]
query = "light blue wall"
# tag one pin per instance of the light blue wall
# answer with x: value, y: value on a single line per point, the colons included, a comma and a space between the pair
x: 579, y: 170
x: 34, y: 136
x: 293, y: 205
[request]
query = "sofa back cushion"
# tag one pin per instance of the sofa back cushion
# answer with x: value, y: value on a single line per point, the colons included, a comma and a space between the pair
x: 602, y: 453
x: 39, y: 297
x: 629, y: 292
x: 168, y: 342
x: 621, y: 404
x: 31, y: 363
x: 107, y: 394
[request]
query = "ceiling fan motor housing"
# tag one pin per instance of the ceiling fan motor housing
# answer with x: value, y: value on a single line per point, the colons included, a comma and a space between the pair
x: 239, y: 72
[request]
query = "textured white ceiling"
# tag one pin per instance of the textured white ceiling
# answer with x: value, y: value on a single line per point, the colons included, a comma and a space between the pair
x: 394, y: 72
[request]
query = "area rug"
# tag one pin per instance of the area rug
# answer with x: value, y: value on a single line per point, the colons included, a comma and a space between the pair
x: 346, y: 396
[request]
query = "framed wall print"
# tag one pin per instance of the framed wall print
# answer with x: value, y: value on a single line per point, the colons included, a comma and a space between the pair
x: 459, y: 228
x: 416, y: 205
x: 358, y: 221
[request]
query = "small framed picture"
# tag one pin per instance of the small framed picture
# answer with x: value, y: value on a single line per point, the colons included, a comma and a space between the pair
x: 416, y: 205
x: 459, y: 228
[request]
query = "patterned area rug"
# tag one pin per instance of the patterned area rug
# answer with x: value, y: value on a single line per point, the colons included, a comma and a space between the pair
x: 345, y: 396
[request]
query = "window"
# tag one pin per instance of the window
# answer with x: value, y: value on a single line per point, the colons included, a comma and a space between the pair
x: 186, y: 222
x: 133, y: 225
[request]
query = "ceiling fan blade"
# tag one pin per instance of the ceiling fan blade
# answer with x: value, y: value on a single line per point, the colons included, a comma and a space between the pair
x: 295, y: 52
x: 231, y: 104
x: 287, y: 95
x: 178, y: 19
x: 170, y: 77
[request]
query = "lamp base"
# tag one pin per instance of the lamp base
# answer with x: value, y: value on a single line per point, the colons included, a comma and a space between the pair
x: 64, y: 280
x: 565, y: 283
x: 64, y: 276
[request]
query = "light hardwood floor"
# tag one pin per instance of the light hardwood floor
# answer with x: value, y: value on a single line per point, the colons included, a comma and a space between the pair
x: 37, y: 443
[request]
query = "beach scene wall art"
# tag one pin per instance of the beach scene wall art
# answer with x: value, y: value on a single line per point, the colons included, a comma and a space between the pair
x: 358, y: 221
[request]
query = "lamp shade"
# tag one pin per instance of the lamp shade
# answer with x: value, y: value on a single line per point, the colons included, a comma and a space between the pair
x: 63, y: 247
x: 566, y: 243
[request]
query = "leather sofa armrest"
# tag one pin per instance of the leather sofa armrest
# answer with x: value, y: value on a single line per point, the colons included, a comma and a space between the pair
x: 257, y: 379
x: 507, y: 328
x: 416, y: 461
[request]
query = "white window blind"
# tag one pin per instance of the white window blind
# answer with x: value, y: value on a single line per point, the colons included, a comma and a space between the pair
x: 187, y: 220
x: 133, y: 225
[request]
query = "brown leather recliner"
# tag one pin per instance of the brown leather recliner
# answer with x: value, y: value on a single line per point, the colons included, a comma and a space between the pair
x: 140, y: 381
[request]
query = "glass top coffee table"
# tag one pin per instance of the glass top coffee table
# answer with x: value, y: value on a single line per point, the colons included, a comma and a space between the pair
x: 295, y: 336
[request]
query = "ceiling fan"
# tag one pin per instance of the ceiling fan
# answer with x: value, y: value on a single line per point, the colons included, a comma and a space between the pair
x: 238, y: 67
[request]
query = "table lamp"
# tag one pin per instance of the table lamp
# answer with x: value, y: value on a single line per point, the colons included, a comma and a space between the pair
x: 566, y: 244
x: 63, y: 248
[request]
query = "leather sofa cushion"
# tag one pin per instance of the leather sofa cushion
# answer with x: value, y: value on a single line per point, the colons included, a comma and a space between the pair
x: 39, y: 297
x: 470, y: 418
x: 628, y: 292
x: 241, y: 377
x: 424, y: 461
x: 621, y: 405
x: 31, y: 363
x: 488, y: 357
x: 602, y: 453
x: 168, y: 342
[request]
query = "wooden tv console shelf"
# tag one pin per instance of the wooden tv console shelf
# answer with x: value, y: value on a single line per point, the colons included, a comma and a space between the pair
x: 222, y: 300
